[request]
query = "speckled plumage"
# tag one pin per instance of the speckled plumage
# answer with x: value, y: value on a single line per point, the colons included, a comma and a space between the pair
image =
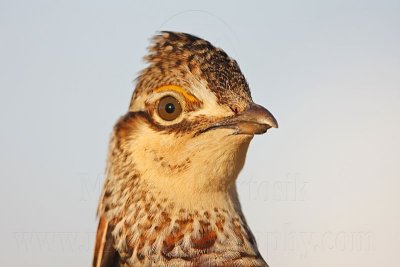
x: 170, y: 198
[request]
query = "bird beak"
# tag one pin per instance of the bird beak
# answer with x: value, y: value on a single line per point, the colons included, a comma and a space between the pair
x: 254, y: 120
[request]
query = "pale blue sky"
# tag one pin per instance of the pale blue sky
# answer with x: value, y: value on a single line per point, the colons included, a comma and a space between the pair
x: 322, y: 190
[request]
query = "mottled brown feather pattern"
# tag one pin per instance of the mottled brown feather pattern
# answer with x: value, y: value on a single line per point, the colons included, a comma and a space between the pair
x: 127, y: 202
x: 178, y: 58
x: 167, y: 201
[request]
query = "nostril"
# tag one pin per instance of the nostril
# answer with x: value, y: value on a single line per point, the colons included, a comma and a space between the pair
x: 235, y: 110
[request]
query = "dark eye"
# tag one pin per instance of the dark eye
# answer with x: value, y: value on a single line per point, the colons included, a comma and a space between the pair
x: 169, y: 108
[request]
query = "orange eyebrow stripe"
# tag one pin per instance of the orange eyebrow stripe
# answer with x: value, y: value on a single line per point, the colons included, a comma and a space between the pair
x: 177, y: 89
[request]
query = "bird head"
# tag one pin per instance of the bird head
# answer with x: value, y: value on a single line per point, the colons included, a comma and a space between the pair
x: 191, y: 117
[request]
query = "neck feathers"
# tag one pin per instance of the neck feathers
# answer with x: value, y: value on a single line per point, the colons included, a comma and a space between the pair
x: 150, y: 230
x: 154, y: 227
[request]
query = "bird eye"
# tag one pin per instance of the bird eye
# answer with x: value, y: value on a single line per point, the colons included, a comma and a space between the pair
x: 169, y: 108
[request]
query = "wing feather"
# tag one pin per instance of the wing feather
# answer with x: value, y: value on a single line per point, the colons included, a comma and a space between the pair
x: 104, y: 253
